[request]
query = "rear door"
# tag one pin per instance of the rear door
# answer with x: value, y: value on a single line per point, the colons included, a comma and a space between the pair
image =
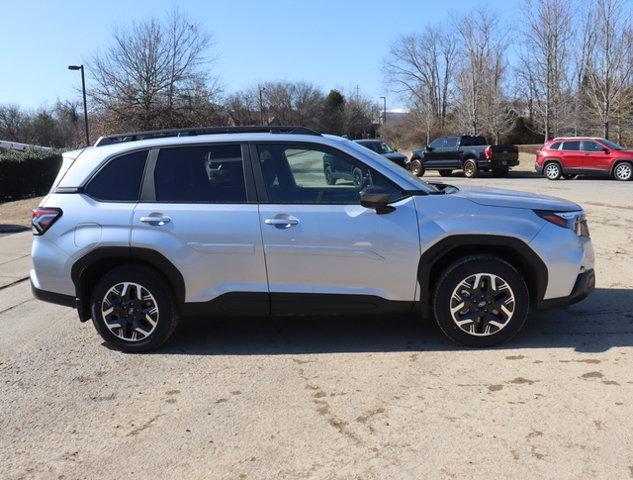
x: 571, y: 155
x: 198, y: 208
x: 594, y: 156
x: 323, y: 249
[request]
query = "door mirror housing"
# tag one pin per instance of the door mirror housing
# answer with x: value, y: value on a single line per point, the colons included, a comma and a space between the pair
x: 428, y: 148
x: 395, y: 149
x: 377, y: 198
x: 606, y: 150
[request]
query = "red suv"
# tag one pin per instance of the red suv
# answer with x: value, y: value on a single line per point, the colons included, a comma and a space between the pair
x: 567, y: 157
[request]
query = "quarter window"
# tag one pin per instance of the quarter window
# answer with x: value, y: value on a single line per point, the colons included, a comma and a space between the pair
x: 555, y: 146
x: 200, y: 174
x: 120, y: 179
x: 571, y: 146
x: 300, y: 174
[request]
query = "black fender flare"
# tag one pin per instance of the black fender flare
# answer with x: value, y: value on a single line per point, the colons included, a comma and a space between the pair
x: 103, y: 256
x: 514, y: 250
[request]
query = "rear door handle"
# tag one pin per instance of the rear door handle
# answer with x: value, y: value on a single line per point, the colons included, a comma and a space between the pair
x: 155, y: 219
x: 282, y: 222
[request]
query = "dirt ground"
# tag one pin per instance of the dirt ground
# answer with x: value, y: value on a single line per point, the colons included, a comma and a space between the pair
x: 324, y: 398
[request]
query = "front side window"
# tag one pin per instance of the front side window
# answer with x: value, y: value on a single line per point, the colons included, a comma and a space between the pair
x: 309, y: 174
x: 200, y: 174
x: 571, y: 146
x: 589, y: 146
x: 438, y: 142
x: 384, y: 148
x: 120, y: 179
x: 451, y: 142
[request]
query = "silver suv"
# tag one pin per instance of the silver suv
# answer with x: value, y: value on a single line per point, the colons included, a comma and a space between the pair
x: 144, y: 228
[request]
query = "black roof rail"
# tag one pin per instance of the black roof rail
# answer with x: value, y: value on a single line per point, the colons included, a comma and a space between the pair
x: 188, y: 132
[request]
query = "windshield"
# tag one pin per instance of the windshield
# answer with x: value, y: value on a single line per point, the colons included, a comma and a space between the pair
x: 384, y: 148
x: 611, y: 145
x: 368, y: 152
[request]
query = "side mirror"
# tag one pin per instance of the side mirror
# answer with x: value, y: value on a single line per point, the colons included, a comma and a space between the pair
x: 377, y: 198
x: 395, y: 149
x: 428, y: 148
x: 606, y: 150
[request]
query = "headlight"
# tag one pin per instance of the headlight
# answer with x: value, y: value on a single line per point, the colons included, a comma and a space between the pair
x: 575, y: 221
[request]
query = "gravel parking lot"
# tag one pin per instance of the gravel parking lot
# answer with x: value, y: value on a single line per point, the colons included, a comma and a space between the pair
x: 343, y: 398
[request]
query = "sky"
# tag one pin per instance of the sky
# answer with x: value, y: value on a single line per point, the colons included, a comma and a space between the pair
x: 333, y: 44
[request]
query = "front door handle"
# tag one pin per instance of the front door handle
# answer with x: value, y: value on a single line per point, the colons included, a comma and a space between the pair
x: 156, y: 219
x: 282, y: 222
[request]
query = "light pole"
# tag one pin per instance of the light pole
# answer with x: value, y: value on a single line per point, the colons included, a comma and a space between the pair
x: 261, y: 105
x: 384, y: 110
x: 83, y: 88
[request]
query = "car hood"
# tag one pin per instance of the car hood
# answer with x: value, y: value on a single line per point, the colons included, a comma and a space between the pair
x: 498, y: 197
x: 394, y: 156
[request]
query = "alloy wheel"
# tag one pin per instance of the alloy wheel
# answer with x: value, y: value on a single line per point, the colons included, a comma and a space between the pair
x: 130, y: 311
x: 416, y: 167
x: 482, y: 304
x: 623, y: 171
x: 552, y: 171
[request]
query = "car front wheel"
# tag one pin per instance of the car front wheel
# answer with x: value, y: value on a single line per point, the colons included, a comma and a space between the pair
x: 133, y: 309
x: 480, y: 301
x: 623, y: 171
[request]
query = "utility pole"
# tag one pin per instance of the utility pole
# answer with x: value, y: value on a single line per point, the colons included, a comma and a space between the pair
x: 384, y: 110
x: 261, y: 105
x: 83, y: 87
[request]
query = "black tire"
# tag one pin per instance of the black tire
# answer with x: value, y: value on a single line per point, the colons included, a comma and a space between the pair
x: 470, y: 168
x: 330, y: 179
x: 167, y: 317
x: 500, y: 172
x: 552, y: 170
x: 446, y: 173
x: 357, y: 177
x: 416, y: 167
x: 623, y: 171
x: 464, y: 268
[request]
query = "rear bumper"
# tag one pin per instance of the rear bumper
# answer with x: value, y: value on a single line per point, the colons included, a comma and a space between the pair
x: 585, y: 284
x: 538, y: 168
x: 53, y: 297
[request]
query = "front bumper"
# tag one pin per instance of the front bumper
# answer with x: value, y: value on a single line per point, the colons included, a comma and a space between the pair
x: 585, y: 284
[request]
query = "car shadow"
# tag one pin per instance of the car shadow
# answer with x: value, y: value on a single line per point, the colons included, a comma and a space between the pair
x: 10, y: 228
x: 600, y: 322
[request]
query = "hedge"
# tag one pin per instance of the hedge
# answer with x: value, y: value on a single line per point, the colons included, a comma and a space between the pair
x: 27, y: 174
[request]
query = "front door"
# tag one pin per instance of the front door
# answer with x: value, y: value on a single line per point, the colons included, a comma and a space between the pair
x: 595, y: 157
x: 323, y: 249
x: 198, y: 209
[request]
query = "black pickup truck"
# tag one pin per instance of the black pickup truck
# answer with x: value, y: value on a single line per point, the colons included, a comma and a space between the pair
x: 469, y: 153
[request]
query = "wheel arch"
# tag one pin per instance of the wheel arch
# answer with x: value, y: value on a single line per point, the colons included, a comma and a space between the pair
x: 87, y: 270
x: 513, y: 250
x: 618, y: 161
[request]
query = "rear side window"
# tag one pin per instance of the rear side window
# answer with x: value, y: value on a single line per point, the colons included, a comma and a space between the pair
x: 555, y: 146
x: 572, y: 146
x: 200, y: 174
x: 120, y: 179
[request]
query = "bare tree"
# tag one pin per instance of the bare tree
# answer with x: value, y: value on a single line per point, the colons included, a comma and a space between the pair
x: 544, y: 60
x: 154, y: 74
x: 610, y: 66
x: 422, y: 68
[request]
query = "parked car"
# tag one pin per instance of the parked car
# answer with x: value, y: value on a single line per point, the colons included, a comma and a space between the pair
x: 469, y: 153
x: 146, y: 227
x: 570, y: 156
x: 384, y: 149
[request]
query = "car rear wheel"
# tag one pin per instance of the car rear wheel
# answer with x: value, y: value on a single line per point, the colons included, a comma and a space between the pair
x: 480, y: 301
x: 552, y: 171
x: 623, y: 171
x: 133, y: 309
x: 446, y: 173
x: 470, y: 168
x: 416, y: 167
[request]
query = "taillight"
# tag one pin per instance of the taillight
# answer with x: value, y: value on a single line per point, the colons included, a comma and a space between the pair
x: 488, y: 152
x: 43, y: 218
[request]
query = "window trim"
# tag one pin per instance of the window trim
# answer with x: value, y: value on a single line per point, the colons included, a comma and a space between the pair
x: 262, y: 191
x: 148, y: 193
x: 83, y: 188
